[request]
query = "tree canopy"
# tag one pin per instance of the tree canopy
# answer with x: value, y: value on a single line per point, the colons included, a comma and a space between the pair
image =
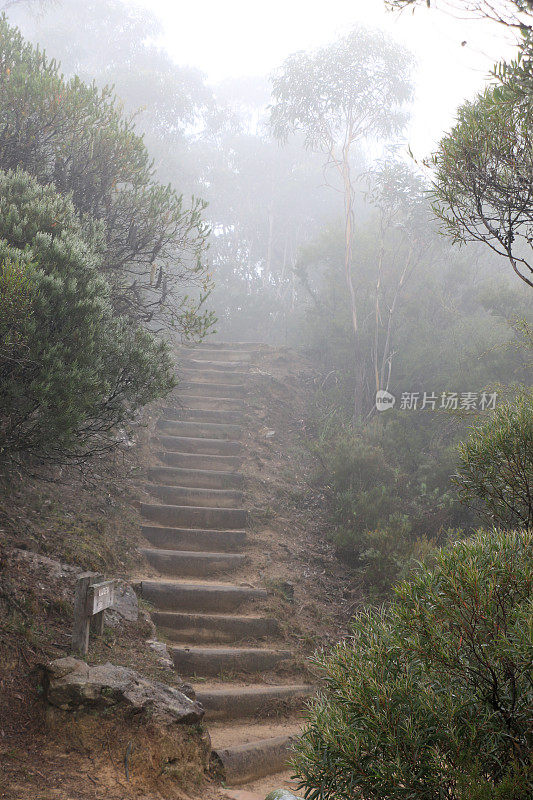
x: 76, y: 135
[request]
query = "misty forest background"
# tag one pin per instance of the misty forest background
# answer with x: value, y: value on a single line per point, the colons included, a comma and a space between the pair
x: 141, y: 206
x: 431, y: 317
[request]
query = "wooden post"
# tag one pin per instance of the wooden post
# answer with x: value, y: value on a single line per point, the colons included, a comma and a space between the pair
x: 80, y: 631
x: 93, y: 596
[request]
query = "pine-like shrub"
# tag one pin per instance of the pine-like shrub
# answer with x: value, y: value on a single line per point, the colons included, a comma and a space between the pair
x: 433, y: 697
x: 496, y: 464
x: 70, y: 370
x: 76, y: 136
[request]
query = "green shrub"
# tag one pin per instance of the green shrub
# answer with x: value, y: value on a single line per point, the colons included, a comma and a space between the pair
x: 389, y: 493
x: 70, y: 370
x: 496, y: 464
x: 432, y: 698
x: 77, y: 137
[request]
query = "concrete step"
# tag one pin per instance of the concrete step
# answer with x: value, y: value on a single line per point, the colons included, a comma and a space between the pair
x: 190, y: 496
x: 199, y: 597
x: 203, y: 430
x: 199, y: 388
x: 210, y: 661
x: 220, y: 519
x: 235, y: 764
x: 194, y: 539
x: 218, y: 354
x: 193, y: 362
x: 230, y: 346
x: 206, y: 402
x: 214, y: 376
x: 185, y: 563
x: 198, y: 478
x: 200, y: 446
x: 214, y: 628
x: 199, y: 415
x: 235, y: 702
x: 201, y: 461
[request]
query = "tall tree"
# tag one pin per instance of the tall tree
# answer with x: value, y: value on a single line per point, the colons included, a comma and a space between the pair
x: 339, y: 96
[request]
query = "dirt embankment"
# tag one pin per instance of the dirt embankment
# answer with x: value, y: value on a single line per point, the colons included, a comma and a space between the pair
x: 89, y: 520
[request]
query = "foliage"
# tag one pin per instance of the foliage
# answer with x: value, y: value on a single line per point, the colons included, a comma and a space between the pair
x: 388, y: 506
x: 511, y: 13
x: 355, y: 87
x: 76, y: 136
x: 484, y: 175
x: 338, y: 96
x: 496, y: 464
x: 432, y: 697
x: 71, y: 371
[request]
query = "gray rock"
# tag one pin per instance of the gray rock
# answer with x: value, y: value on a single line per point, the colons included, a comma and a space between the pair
x: 162, y: 651
x: 281, y: 794
x: 71, y: 684
x: 125, y: 605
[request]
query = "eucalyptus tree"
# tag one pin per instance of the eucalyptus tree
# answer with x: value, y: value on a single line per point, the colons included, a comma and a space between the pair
x: 484, y: 175
x: 339, y: 96
x: 516, y: 14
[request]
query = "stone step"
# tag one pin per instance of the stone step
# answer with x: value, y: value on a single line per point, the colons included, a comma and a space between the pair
x: 200, y: 446
x: 214, y: 628
x: 198, y: 597
x: 210, y: 661
x: 220, y: 519
x: 191, y: 496
x: 198, y: 478
x: 193, y: 362
x: 236, y: 764
x: 235, y: 702
x: 186, y: 563
x: 214, y: 376
x: 201, y: 461
x: 231, y: 346
x: 194, y: 539
x: 225, y: 356
x: 200, y: 415
x: 205, y: 402
x: 199, y: 388
x: 202, y: 430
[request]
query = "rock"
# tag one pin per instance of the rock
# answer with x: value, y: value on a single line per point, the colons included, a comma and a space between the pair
x: 281, y: 794
x: 162, y: 651
x: 125, y: 605
x: 71, y: 684
x: 270, y: 434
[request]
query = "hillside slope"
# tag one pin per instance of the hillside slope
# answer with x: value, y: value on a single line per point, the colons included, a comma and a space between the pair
x: 93, y: 521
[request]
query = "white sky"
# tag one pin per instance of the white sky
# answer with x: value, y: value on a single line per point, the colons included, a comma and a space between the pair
x: 231, y: 38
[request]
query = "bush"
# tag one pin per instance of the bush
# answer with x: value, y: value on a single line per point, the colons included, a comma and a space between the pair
x: 432, y: 698
x: 496, y: 466
x: 70, y: 370
x: 389, y: 495
x: 76, y: 136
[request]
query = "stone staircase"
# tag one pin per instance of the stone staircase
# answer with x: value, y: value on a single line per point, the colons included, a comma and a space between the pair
x: 220, y: 630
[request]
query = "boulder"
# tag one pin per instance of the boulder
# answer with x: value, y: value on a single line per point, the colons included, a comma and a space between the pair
x: 71, y: 684
x: 125, y: 605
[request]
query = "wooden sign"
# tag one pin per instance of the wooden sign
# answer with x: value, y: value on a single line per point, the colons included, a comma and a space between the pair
x: 100, y: 596
x: 93, y: 596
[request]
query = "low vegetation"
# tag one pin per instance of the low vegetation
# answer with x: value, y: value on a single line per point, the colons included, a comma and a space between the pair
x: 432, y: 697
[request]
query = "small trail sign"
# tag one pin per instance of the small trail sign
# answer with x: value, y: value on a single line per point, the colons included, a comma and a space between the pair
x: 93, y: 596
